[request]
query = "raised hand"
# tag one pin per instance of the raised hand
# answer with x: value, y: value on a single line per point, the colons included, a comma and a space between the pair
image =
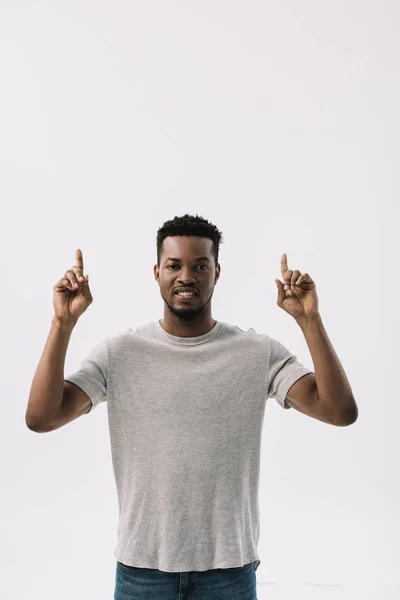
x: 72, y: 295
x: 297, y: 295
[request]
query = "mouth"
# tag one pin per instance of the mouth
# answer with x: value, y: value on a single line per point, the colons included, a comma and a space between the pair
x: 186, y: 297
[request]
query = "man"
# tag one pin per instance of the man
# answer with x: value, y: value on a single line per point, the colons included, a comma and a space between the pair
x: 186, y: 399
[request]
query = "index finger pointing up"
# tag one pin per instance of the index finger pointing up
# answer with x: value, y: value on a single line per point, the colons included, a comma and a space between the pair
x: 79, y: 260
x: 284, y: 265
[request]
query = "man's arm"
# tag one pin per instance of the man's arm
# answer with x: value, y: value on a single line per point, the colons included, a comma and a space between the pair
x: 329, y: 398
x: 47, y: 389
x: 71, y: 297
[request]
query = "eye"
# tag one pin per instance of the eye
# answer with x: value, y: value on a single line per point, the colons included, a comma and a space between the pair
x: 174, y: 265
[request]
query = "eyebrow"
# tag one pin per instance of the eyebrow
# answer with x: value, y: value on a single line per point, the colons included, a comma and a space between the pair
x: 196, y: 259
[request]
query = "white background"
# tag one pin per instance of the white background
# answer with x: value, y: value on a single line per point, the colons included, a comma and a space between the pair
x: 278, y: 122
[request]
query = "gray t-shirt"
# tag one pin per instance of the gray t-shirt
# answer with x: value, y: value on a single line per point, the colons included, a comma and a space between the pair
x: 185, y: 418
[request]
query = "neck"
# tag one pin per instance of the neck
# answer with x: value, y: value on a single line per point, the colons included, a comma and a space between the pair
x: 181, y: 328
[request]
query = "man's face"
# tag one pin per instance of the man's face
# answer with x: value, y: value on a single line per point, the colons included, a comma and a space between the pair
x: 188, y: 271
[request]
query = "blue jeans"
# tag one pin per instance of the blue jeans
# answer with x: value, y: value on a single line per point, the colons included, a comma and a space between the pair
x: 139, y: 583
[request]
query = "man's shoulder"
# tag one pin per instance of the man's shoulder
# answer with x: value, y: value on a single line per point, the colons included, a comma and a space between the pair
x: 246, y: 336
x: 129, y: 334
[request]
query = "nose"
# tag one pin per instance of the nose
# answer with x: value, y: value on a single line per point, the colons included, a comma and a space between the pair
x: 186, y: 280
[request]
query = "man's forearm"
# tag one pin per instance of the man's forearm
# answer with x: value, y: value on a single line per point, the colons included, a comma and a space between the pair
x: 334, y: 389
x: 47, y: 388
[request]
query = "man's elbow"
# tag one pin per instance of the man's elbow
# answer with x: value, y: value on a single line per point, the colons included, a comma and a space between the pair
x: 35, y: 426
x: 348, y: 418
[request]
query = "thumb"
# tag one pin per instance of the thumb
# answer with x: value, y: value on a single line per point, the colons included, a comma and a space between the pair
x: 86, y: 290
x: 281, y: 291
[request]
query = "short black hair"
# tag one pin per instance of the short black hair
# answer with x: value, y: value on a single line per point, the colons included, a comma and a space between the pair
x: 190, y: 225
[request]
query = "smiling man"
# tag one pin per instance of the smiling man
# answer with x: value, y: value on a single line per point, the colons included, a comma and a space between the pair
x: 187, y: 275
x: 186, y: 399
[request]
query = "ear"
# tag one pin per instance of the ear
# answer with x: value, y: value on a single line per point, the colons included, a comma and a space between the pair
x: 217, y: 272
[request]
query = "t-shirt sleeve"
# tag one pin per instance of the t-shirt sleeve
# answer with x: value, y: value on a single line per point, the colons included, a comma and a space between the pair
x: 92, y: 374
x: 283, y: 371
